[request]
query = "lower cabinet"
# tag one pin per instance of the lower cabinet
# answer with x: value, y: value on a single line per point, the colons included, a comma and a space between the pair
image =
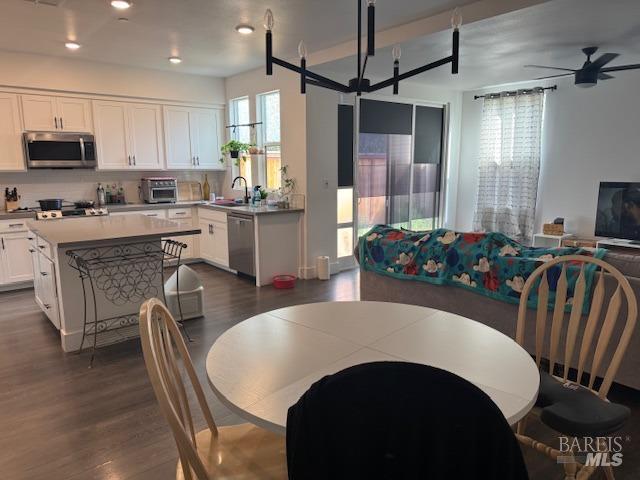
x: 214, y: 243
x: 15, y: 259
x: 44, y: 280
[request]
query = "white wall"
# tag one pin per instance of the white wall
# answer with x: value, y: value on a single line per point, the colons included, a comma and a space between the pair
x: 589, y: 135
x: 57, y: 73
x: 322, y: 174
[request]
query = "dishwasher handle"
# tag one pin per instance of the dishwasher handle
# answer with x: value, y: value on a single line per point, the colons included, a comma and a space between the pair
x: 240, y: 218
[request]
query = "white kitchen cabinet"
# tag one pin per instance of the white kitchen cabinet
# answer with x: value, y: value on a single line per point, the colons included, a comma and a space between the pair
x: 192, y: 138
x: 206, y: 144
x: 159, y: 213
x: 47, y: 294
x: 11, y: 153
x: 145, y: 136
x: 177, y: 134
x: 50, y: 113
x: 35, y: 266
x: 74, y: 114
x: 214, y: 243
x: 16, y: 258
x: 128, y: 136
x: 183, y: 217
x: 111, y: 135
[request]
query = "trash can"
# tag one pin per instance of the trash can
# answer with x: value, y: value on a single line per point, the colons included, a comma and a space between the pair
x: 191, y: 292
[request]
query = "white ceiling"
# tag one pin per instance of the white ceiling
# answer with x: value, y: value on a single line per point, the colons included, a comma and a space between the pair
x: 200, y: 31
x: 493, y: 51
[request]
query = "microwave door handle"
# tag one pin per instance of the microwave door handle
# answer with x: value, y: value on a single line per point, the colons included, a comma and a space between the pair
x: 82, y: 151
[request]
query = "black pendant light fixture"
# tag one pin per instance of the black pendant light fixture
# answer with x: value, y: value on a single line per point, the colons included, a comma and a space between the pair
x: 360, y: 84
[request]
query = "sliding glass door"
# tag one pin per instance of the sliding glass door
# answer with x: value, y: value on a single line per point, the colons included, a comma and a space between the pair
x: 398, y: 172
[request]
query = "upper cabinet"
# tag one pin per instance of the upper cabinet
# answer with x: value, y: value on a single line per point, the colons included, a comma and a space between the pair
x: 49, y: 113
x: 207, y: 124
x: 128, y: 136
x: 192, y: 138
x: 145, y: 136
x: 11, y: 153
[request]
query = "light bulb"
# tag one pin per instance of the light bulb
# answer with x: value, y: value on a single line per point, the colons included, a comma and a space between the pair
x: 120, y: 4
x: 396, y: 53
x: 175, y: 60
x: 268, y: 20
x: 244, y: 29
x: 302, y: 49
x: 72, y: 45
x: 456, y: 19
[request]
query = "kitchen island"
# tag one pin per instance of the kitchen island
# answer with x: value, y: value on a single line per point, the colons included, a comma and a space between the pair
x: 55, y: 247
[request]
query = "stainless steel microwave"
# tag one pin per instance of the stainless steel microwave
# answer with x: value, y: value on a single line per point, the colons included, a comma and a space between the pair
x: 59, y: 150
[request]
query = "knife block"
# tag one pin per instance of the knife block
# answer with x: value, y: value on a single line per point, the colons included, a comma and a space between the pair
x: 11, y: 205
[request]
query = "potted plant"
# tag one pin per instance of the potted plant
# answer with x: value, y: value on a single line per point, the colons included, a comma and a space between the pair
x: 234, y: 147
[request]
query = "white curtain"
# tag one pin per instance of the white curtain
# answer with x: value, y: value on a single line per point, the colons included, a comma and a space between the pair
x: 509, y: 163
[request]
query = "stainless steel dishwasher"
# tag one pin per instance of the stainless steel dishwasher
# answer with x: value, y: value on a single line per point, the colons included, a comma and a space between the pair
x: 241, y: 243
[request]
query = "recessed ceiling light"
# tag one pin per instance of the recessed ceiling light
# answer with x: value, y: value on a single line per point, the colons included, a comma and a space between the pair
x: 120, y: 4
x: 72, y: 45
x: 244, y: 29
x: 175, y: 60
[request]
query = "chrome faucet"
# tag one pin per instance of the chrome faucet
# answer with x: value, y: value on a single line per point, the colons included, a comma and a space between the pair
x: 246, y: 188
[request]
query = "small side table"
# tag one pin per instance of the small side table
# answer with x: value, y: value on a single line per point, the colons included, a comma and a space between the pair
x: 549, y: 241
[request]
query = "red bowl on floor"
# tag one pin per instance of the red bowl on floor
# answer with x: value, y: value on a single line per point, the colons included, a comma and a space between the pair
x: 284, y: 281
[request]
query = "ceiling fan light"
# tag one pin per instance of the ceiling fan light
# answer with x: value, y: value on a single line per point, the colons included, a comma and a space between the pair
x: 586, y: 84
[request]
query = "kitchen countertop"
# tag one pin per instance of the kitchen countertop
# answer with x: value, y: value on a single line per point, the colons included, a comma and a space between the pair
x: 83, y: 230
x: 130, y: 207
x: 247, y: 210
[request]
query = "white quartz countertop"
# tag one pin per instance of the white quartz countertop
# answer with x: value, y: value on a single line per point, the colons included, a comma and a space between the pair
x: 76, y: 231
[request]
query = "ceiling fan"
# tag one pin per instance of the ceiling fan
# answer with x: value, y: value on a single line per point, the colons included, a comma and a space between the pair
x: 591, y: 71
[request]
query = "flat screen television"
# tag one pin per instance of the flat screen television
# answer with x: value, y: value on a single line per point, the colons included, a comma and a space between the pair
x: 618, y: 214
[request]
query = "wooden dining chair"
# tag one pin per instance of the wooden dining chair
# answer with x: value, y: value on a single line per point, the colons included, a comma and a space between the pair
x: 240, y: 451
x: 569, y: 402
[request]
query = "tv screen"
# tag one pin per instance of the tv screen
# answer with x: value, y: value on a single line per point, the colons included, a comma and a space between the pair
x: 618, y: 213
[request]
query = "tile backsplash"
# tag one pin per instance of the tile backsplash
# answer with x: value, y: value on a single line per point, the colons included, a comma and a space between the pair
x: 73, y: 185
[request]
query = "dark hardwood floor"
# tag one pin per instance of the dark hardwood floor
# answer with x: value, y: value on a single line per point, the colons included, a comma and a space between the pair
x: 61, y: 420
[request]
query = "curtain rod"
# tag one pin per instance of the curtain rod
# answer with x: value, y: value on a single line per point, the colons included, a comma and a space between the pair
x: 515, y: 92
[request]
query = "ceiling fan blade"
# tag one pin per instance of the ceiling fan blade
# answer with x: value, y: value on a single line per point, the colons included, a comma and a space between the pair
x: 556, y: 76
x: 551, y: 68
x: 604, y: 76
x: 634, y: 66
x: 603, y: 59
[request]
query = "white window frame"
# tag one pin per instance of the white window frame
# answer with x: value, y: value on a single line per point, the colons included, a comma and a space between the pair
x: 262, y: 132
x: 233, y: 120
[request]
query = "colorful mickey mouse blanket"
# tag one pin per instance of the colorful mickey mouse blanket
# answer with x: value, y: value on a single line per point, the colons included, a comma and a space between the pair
x: 491, y: 264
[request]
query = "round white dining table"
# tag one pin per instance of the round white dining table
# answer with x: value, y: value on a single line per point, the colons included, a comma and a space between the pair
x: 261, y: 366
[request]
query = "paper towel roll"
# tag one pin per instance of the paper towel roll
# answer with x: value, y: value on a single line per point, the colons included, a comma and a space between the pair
x: 322, y: 267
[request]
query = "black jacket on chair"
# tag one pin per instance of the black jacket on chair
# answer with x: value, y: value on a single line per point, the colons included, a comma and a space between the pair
x: 397, y: 421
